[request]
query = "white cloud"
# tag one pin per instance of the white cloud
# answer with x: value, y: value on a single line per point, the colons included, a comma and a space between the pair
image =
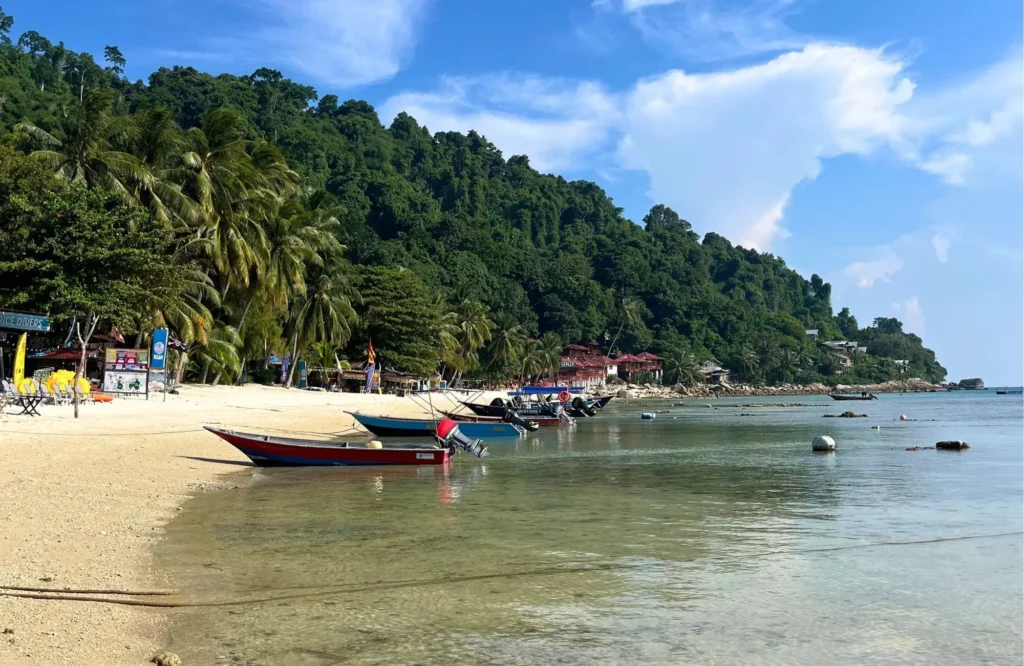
x: 953, y: 123
x: 941, y: 244
x: 708, y: 30
x: 338, y: 42
x: 729, y: 147
x: 867, y: 273
x: 556, y: 123
x: 910, y: 313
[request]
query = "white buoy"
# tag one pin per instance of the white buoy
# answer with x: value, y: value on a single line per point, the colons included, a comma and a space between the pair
x: 823, y: 443
x: 903, y: 417
x: 876, y: 427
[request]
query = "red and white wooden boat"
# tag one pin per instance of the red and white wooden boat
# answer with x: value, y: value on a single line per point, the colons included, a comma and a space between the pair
x: 268, y: 450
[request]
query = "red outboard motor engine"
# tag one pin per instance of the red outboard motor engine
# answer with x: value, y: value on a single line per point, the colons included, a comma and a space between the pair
x: 449, y: 435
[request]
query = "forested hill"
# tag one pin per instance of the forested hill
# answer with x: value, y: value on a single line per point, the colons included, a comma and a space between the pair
x: 541, y: 253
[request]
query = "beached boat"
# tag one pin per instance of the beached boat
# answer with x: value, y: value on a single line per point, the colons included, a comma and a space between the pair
x: 267, y: 450
x: 530, y: 424
x: 389, y: 426
x: 865, y: 396
x: 498, y: 407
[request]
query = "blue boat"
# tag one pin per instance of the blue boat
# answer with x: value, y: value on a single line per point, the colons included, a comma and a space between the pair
x: 389, y: 426
x: 545, y: 390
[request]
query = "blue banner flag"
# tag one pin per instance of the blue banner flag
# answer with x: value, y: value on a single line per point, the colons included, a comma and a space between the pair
x: 158, y: 357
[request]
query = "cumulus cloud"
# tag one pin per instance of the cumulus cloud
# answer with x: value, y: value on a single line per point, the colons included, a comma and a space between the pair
x: 342, y: 43
x: 556, y: 123
x: 729, y: 147
x: 909, y: 312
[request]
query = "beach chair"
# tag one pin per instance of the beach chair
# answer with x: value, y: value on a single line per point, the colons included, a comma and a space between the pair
x: 65, y: 392
x: 28, y: 402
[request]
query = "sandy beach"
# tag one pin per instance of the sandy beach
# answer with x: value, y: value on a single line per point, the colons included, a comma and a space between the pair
x: 83, y: 501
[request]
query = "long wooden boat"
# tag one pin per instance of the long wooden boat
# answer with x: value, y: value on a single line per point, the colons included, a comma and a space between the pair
x: 389, y: 426
x: 474, y: 418
x: 603, y: 401
x: 837, y: 396
x: 527, y: 411
x: 268, y: 451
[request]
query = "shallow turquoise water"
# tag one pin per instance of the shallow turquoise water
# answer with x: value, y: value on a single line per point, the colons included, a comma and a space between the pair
x: 706, y: 536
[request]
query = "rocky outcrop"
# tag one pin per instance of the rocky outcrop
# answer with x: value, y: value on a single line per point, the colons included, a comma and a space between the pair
x: 635, y: 391
x: 973, y: 384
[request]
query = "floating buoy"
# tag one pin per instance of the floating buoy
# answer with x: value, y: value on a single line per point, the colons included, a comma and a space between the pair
x: 647, y: 416
x: 903, y: 417
x: 876, y: 427
x: 823, y: 443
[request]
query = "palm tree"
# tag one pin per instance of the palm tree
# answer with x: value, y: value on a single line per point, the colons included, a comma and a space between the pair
x: 236, y: 185
x: 508, y: 343
x: 89, y: 153
x: 534, y: 361
x: 684, y: 368
x: 789, y: 363
x: 475, y: 327
x: 324, y: 312
x: 629, y: 315
x: 551, y: 353
x: 220, y: 352
x: 748, y: 362
x: 768, y: 355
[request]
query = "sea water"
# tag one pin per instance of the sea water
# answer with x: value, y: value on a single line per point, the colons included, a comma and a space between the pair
x: 711, y: 534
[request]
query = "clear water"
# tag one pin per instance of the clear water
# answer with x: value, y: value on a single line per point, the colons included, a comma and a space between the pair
x: 700, y: 537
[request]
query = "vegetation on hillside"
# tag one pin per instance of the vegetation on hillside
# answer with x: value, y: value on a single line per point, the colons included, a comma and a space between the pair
x: 257, y: 217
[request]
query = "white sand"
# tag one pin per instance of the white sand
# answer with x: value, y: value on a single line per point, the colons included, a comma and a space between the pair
x: 83, y: 501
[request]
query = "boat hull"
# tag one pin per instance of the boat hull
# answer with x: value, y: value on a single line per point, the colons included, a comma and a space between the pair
x: 497, y: 411
x: 385, y: 426
x: 267, y: 451
x: 473, y: 418
x: 852, y: 397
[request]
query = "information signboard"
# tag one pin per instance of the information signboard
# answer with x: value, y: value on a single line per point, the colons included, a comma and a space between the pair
x: 126, y: 371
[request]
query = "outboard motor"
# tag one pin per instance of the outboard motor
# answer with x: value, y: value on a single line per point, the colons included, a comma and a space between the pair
x: 449, y: 435
x: 512, y: 417
x: 581, y: 406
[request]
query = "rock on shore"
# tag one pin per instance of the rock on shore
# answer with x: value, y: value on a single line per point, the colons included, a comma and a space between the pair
x: 634, y: 391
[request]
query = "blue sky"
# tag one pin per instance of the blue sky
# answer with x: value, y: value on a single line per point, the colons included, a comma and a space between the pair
x: 876, y: 143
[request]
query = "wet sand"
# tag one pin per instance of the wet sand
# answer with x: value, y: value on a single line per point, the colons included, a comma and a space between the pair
x: 83, y: 501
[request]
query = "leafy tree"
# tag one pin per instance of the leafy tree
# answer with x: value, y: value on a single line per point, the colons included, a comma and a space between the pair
x: 399, y: 317
x: 112, y: 54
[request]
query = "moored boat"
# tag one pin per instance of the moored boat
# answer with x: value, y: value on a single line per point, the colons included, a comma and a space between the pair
x: 268, y: 450
x: 530, y: 424
x: 863, y: 396
x: 498, y: 407
x: 389, y: 426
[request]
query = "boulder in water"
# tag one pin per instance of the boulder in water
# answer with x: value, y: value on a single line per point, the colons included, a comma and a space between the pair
x: 166, y: 659
x: 952, y: 445
x: 823, y: 443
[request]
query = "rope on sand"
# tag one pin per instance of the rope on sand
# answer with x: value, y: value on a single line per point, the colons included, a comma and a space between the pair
x: 69, y: 595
